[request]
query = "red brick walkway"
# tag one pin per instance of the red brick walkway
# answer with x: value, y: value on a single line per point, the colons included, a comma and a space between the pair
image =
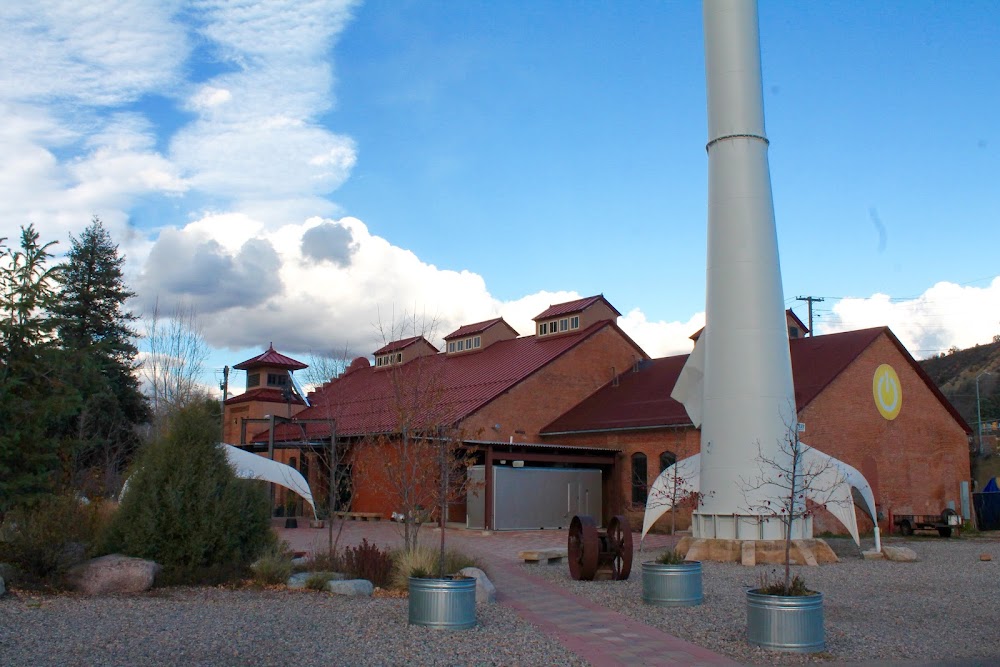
x: 599, y: 635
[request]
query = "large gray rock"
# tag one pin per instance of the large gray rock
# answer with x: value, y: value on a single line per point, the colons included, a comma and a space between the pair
x: 299, y: 579
x: 485, y: 590
x: 112, y: 574
x: 899, y: 554
x: 354, y: 587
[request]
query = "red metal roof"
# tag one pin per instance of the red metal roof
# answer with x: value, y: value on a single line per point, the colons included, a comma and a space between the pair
x: 268, y: 395
x: 641, y: 398
x: 478, y: 327
x: 443, y: 389
x: 270, y: 358
x: 573, y: 307
x: 398, y: 344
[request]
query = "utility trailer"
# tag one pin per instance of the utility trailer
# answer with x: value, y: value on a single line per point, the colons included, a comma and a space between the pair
x: 943, y: 523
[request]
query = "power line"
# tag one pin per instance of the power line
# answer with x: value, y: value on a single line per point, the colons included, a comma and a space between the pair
x: 810, y: 300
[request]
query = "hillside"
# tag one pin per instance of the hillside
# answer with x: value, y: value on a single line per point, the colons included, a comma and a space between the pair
x: 955, y: 375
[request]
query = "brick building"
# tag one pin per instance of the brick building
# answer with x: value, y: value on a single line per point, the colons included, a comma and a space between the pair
x: 580, y: 393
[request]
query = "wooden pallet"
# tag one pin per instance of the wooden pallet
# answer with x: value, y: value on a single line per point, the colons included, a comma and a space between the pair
x: 359, y: 516
x: 540, y: 556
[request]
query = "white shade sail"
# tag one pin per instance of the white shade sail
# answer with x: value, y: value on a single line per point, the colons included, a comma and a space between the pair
x: 251, y: 466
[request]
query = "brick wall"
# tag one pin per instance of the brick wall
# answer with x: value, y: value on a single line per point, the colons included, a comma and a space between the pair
x: 914, y: 463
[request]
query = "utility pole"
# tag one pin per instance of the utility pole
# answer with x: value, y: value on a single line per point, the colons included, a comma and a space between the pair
x: 810, y: 300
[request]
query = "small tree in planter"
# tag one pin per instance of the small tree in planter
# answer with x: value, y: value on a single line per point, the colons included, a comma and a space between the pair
x: 794, y: 476
x: 423, y: 468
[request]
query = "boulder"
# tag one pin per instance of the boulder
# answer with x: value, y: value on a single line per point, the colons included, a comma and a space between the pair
x: 352, y: 587
x: 871, y: 554
x: 485, y: 590
x: 112, y: 574
x: 299, y: 579
x: 899, y: 554
x: 985, y: 557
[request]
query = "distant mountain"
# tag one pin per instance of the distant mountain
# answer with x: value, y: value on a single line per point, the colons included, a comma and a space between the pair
x: 955, y: 375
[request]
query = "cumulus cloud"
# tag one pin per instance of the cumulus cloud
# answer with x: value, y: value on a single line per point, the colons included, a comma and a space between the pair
x: 329, y: 242
x: 186, y: 268
x: 945, y: 315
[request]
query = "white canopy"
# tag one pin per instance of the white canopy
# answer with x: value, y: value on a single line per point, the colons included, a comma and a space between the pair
x: 833, y: 484
x: 251, y: 466
x: 687, y: 475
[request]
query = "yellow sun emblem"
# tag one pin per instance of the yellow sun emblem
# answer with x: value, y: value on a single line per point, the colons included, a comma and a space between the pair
x: 887, y: 391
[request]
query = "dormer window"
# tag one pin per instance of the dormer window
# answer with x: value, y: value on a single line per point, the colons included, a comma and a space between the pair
x: 465, y: 344
x: 388, y: 359
x: 560, y: 325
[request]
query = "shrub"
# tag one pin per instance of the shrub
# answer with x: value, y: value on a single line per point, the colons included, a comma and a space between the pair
x: 670, y: 557
x: 367, y: 561
x: 417, y: 562
x: 186, y: 509
x: 317, y: 581
x: 773, y: 585
x: 47, y: 539
x: 422, y: 562
x: 328, y: 561
x: 273, y: 567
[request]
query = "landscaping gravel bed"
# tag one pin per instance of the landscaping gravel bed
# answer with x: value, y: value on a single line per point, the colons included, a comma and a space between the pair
x: 214, y: 626
x: 945, y: 607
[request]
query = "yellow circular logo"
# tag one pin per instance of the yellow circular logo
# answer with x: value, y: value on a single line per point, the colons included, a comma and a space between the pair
x: 887, y: 391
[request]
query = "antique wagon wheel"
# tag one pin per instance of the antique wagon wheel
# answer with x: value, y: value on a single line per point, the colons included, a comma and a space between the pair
x: 583, y: 548
x: 620, y: 546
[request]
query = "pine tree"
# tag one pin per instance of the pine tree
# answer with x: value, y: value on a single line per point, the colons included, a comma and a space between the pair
x: 94, y: 327
x: 35, y: 389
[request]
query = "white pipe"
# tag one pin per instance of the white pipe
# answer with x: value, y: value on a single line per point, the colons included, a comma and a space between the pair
x: 749, y: 399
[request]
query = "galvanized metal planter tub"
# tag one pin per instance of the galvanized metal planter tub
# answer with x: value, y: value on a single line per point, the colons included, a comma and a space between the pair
x: 672, y: 585
x: 444, y: 604
x: 791, y: 623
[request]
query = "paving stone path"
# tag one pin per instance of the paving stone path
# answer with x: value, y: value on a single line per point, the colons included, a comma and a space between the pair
x: 600, y: 636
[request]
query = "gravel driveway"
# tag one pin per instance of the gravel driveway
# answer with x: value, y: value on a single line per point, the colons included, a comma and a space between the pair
x: 943, y: 609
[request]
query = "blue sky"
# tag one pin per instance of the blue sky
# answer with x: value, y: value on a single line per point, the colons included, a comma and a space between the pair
x: 301, y: 172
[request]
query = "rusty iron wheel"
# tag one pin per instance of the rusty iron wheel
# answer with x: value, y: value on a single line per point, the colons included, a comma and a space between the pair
x: 583, y: 548
x: 620, y: 547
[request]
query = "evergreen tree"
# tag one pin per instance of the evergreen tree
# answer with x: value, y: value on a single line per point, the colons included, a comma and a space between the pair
x: 95, y: 329
x: 35, y: 389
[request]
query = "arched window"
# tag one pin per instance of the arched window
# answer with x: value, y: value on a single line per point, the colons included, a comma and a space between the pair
x: 667, y: 459
x: 639, y: 489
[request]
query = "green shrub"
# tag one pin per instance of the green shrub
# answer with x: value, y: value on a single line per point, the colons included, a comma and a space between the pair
x: 185, y: 508
x: 273, y: 567
x: 317, y: 581
x: 45, y: 540
x: 367, y: 561
x: 670, y: 557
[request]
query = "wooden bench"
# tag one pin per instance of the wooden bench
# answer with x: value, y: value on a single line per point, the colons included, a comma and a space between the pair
x: 359, y: 516
x: 539, y: 556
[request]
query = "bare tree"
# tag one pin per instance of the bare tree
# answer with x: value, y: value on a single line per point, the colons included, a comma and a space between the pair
x: 422, y: 434
x: 175, y: 355
x: 793, y: 475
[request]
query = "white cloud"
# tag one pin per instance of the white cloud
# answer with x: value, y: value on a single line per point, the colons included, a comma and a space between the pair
x: 661, y: 339
x: 945, y: 315
x: 93, y: 53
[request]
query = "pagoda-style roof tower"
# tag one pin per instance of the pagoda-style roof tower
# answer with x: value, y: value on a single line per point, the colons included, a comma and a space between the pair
x: 269, y: 391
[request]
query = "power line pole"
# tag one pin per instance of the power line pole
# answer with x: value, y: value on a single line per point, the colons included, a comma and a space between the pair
x: 810, y: 300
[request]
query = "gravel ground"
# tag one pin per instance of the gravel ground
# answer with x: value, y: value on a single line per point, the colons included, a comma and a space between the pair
x: 210, y: 626
x: 944, y: 608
